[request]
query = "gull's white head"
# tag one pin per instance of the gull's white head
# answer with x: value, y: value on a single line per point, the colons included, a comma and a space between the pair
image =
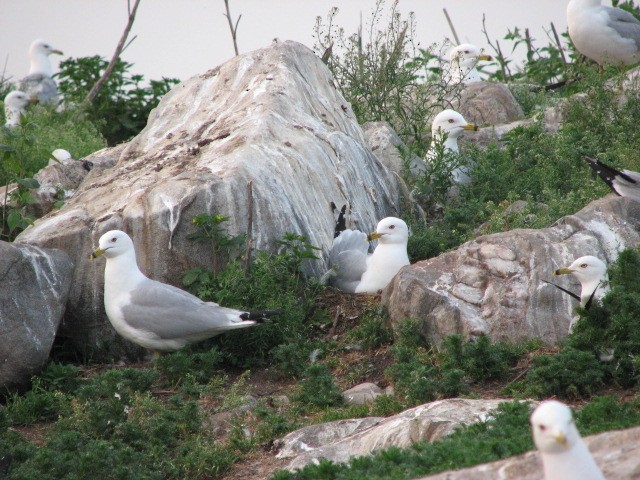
x: 39, y: 52
x: 553, y: 428
x: 391, y: 230
x: 14, y: 107
x: 60, y: 154
x: 113, y: 244
x: 466, y: 56
x: 450, y: 122
x: 590, y: 272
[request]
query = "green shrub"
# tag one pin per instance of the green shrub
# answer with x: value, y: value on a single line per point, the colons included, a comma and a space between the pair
x: 569, y: 374
x: 122, y: 105
x: 371, y: 331
x: 318, y: 388
x: 198, y: 366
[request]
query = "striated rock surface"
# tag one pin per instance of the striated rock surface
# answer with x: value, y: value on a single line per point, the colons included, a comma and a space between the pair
x: 272, y: 117
x: 493, y: 285
x: 341, y: 440
x: 34, y: 284
x: 617, y: 454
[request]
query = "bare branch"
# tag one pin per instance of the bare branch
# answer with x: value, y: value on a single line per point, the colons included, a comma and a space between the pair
x: 453, y: 30
x: 98, y: 85
x: 232, y: 27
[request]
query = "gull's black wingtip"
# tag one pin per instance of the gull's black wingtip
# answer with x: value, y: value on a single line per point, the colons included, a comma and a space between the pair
x: 341, y: 222
x: 571, y: 294
x: 260, y: 316
x: 607, y: 173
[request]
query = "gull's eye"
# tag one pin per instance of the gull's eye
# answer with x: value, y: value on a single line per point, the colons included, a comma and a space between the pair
x: 542, y: 428
x: 391, y: 227
x: 584, y: 265
x: 451, y: 120
x: 466, y: 51
x: 114, y: 240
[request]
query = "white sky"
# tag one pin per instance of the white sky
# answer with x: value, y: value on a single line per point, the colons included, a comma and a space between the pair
x: 181, y: 38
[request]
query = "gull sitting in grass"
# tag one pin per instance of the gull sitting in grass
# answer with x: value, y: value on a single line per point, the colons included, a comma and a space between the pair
x: 155, y: 315
x: 352, y: 269
x: 446, y: 128
x: 39, y: 84
x: 462, y: 63
x: 564, y: 455
x: 15, y: 104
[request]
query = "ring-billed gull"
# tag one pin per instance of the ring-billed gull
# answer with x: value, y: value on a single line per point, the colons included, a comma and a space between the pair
x: 462, y: 63
x: 352, y: 269
x: 625, y: 183
x: 564, y: 455
x: 606, y: 35
x: 591, y: 272
x: 153, y: 314
x: 14, y: 107
x: 446, y: 128
x: 38, y: 84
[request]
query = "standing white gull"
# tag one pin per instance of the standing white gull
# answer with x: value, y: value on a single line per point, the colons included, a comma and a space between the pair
x: 153, y: 314
x: 38, y: 84
x: 625, y: 183
x: 15, y: 104
x: 564, y: 455
x: 462, y: 63
x: 446, y: 128
x: 606, y: 35
x: 352, y: 269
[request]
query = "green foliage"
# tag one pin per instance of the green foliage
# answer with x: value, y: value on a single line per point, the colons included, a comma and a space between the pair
x: 318, y: 388
x: 611, y: 328
x: 210, y: 230
x: 273, y: 282
x: 197, y: 366
x: 371, y: 331
x: 570, y: 373
x: 122, y: 105
x: 385, y: 77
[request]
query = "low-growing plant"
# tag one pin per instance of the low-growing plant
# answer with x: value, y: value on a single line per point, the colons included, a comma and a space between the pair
x: 371, y: 331
x: 318, y: 388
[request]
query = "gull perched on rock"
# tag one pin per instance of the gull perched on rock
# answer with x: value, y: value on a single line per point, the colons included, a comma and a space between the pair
x: 15, y: 104
x: 352, y: 269
x: 38, y: 84
x: 446, y: 128
x: 564, y: 455
x: 156, y: 315
x: 463, y: 60
x: 625, y: 183
x: 606, y: 35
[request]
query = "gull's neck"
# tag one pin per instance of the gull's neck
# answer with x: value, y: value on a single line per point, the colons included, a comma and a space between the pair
x: 40, y: 64
x: 577, y: 5
x: 12, y: 115
x: 573, y: 464
x: 589, y: 287
x: 121, y: 274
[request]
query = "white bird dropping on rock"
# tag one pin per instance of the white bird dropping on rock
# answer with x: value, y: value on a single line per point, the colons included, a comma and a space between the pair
x: 564, y: 455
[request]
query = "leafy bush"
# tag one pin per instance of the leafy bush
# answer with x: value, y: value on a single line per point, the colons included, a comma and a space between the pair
x: 371, y: 331
x: 569, y: 374
x: 122, y: 105
x: 273, y: 282
x: 318, y: 388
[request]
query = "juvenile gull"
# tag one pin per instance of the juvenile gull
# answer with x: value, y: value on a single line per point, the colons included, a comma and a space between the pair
x: 153, y: 314
x: 352, y: 269
x: 463, y: 60
x: 14, y: 107
x: 446, y: 128
x: 564, y: 455
x: 606, y: 35
x: 38, y: 84
x: 625, y: 183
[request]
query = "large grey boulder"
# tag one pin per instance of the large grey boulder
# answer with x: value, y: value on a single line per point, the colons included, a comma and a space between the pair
x: 272, y: 117
x: 617, y: 454
x: 493, y: 285
x: 488, y: 103
x: 341, y: 440
x: 34, y: 284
